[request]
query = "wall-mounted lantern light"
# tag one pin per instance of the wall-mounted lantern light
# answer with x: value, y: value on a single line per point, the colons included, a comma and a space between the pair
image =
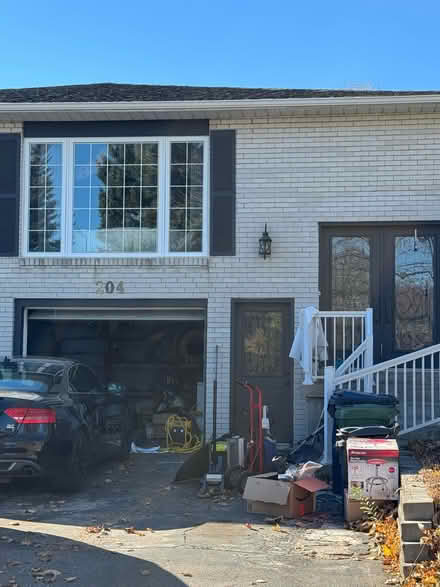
x: 265, y: 242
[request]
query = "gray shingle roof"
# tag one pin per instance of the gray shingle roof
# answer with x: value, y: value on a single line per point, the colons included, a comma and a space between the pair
x: 109, y: 92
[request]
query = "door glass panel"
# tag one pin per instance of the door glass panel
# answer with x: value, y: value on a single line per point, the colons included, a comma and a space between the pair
x: 350, y: 271
x: 413, y: 292
x: 262, y: 342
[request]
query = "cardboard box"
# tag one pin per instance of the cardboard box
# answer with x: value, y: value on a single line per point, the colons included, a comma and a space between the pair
x: 373, y: 468
x: 352, y: 507
x: 265, y: 494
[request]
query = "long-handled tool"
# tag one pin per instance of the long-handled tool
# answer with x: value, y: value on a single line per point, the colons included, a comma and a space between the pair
x: 214, y: 475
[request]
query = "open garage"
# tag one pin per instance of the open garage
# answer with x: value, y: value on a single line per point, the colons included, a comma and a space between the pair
x: 152, y: 351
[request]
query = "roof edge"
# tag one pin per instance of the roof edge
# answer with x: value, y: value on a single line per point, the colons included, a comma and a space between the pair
x: 207, y: 105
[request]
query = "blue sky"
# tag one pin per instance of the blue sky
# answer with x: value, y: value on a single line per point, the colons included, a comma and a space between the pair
x: 386, y: 44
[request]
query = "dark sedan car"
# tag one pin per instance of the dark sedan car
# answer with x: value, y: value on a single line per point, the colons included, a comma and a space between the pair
x: 56, y: 419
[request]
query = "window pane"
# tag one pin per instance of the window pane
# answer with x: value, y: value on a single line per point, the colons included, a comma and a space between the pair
x: 177, y: 241
x: 45, y: 179
x: 133, y: 154
x: 115, y: 195
x: 114, y: 218
x: 262, y: 342
x: 414, y: 292
x: 132, y: 218
x: 79, y: 241
x: 149, y: 154
x: 36, y: 219
x: 98, y: 219
x: 149, y: 198
x: 195, y: 153
x: 186, y: 180
x: 178, y: 153
x: 148, y: 240
x: 37, y: 197
x: 177, y: 219
x: 133, y: 197
x: 82, y: 175
x: 98, y: 175
x: 178, y: 197
x: 350, y: 273
x: 116, y: 154
x: 81, y: 197
x: 54, y: 156
x: 149, y: 175
x: 149, y: 219
x: 81, y: 219
x: 82, y: 154
x: 194, y: 241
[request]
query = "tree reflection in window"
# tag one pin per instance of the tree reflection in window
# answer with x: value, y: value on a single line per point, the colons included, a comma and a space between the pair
x: 413, y: 295
x: 262, y: 342
x: 350, y: 273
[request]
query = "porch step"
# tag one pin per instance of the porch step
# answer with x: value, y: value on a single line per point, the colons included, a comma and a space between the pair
x: 415, y: 513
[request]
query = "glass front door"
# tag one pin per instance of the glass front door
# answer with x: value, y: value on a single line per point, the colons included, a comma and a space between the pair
x: 391, y: 269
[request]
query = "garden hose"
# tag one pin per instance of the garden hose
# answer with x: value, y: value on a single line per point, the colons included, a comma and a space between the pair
x: 191, y: 442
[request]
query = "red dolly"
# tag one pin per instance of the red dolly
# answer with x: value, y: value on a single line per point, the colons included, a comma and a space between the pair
x: 255, y: 444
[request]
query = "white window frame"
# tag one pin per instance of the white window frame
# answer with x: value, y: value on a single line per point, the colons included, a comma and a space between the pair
x: 163, y: 216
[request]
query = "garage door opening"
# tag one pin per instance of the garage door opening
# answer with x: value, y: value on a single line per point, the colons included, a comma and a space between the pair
x: 158, y: 356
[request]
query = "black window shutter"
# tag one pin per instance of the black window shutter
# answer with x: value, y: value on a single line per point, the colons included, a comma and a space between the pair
x: 9, y: 193
x: 222, y: 144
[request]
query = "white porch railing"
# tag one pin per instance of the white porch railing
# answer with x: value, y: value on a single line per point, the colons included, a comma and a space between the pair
x: 346, y: 333
x: 414, y: 379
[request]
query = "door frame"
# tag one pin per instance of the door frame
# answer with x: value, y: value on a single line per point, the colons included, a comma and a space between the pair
x: 235, y: 303
x: 381, y: 257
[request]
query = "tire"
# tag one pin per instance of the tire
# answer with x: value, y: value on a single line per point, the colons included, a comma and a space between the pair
x: 71, y: 477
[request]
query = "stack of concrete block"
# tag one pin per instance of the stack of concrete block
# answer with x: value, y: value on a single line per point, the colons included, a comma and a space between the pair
x: 416, y: 510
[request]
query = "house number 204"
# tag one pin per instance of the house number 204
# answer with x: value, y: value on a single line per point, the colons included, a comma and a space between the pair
x: 109, y: 287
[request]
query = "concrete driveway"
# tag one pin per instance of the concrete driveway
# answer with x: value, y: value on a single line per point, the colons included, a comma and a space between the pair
x: 131, y: 526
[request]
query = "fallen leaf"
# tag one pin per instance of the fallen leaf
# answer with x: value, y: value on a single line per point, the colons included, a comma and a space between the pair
x: 14, y: 524
x: 26, y: 542
x: 145, y: 572
x: 13, y: 563
x: 70, y: 579
x: 94, y: 529
x: 277, y: 528
x: 132, y: 530
x: 187, y: 574
x: 259, y: 582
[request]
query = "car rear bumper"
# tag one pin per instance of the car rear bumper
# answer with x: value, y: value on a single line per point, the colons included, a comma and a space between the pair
x: 19, y: 468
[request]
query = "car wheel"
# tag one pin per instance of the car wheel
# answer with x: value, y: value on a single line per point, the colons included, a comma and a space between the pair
x: 71, y: 477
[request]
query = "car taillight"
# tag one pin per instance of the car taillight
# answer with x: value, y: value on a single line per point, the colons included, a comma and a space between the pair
x: 32, y: 415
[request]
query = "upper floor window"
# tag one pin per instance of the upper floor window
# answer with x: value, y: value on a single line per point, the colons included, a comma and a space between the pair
x: 131, y: 197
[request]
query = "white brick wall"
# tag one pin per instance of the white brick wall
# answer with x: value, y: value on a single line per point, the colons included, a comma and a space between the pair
x: 291, y: 173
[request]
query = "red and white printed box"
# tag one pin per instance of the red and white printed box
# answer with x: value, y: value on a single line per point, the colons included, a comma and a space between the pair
x: 373, y: 468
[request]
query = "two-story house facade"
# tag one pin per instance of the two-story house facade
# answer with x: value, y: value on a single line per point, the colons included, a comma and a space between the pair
x: 130, y: 219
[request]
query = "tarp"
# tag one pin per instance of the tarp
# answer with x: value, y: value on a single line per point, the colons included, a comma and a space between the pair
x: 302, y: 348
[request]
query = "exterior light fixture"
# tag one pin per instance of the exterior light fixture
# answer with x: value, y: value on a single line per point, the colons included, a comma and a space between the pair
x: 265, y: 242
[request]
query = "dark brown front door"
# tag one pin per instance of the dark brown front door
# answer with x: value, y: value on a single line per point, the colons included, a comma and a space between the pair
x: 262, y: 336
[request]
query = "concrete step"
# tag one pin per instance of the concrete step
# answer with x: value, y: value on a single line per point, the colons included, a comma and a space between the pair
x: 414, y: 551
x: 410, y: 530
x: 416, y: 503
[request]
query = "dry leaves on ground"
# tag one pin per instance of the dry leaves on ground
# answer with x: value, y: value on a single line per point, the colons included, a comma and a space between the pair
x: 387, y: 535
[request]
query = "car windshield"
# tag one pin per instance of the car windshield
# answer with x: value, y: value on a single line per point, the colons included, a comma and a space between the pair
x: 35, y: 376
